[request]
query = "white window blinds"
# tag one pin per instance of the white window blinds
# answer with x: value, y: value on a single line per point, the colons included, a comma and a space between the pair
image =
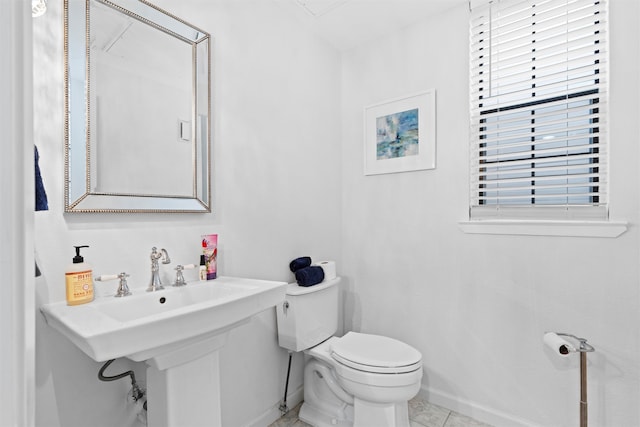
x: 538, y: 98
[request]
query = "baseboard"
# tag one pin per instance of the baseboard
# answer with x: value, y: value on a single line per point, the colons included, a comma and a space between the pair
x: 474, y: 410
x: 273, y: 413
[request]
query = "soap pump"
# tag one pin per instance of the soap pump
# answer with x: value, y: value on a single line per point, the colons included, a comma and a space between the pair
x: 79, y: 280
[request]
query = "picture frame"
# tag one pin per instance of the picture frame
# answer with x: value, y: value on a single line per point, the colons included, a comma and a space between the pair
x: 400, y: 134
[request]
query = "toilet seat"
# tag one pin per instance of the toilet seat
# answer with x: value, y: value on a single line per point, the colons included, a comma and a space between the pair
x: 375, y: 354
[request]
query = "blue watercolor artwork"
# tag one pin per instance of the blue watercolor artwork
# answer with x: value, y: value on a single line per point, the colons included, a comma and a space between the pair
x: 397, y: 135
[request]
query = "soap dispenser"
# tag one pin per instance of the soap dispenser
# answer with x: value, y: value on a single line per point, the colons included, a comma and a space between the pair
x: 79, y: 280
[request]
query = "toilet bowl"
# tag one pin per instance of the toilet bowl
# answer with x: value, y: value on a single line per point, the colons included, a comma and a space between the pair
x: 357, y: 380
x: 360, y: 380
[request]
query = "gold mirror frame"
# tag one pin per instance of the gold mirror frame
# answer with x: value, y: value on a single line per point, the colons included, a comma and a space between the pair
x: 79, y: 195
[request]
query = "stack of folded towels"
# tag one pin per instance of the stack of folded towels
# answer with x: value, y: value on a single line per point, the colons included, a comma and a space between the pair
x: 306, y: 274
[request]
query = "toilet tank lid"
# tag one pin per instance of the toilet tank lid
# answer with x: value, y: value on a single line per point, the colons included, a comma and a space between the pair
x: 295, y: 289
x: 375, y: 350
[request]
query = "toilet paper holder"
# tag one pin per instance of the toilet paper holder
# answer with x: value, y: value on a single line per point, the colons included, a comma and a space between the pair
x: 564, y: 348
x: 584, y: 347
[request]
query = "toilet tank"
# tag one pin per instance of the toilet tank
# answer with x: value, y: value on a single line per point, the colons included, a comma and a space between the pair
x: 309, y: 315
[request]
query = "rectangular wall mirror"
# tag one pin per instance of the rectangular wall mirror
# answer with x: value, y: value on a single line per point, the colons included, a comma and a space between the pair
x: 137, y: 109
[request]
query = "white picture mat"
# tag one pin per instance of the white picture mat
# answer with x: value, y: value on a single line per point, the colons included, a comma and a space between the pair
x: 425, y: 102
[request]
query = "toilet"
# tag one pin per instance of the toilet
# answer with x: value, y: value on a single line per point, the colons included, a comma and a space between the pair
x: 358, y: 380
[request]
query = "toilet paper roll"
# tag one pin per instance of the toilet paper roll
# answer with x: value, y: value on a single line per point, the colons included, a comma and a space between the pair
x: 558, y: 344
x: 329, y: 268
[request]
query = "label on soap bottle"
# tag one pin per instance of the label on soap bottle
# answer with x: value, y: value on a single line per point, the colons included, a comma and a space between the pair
x: 79, y: 287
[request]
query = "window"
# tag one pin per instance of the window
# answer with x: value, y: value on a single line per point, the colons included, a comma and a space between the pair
x: 538, y: 100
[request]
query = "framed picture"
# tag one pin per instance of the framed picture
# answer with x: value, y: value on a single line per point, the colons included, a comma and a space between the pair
x: 400, y: 134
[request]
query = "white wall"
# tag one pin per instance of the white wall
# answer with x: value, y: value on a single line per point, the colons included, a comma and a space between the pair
x: 17, y: 334
x: 276, y: 160
x: 477, y: 306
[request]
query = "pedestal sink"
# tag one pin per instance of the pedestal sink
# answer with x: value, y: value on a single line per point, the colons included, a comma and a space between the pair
x: 177, y: 332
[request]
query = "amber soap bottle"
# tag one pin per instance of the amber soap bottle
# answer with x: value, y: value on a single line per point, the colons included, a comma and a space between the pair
x: 79, y: 280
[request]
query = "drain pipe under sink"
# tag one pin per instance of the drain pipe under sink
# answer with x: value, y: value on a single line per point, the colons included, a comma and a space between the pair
x: 136, y: 392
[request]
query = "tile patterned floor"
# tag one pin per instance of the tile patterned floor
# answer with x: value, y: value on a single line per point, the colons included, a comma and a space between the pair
x: 421, y: 414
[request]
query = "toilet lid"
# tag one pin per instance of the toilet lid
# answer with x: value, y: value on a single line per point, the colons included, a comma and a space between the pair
x: 375, y: 353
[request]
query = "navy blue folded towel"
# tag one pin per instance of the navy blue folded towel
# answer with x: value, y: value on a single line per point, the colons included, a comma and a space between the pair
x: 299, y: 263
x: 41, y: 196
x: 310, y: 276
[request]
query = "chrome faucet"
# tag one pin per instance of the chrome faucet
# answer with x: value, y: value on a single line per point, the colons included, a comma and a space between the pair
x: 155, y: 284
x: 123, y: 288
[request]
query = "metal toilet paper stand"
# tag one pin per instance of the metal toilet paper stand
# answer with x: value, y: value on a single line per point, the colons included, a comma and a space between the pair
x: 583, y: 349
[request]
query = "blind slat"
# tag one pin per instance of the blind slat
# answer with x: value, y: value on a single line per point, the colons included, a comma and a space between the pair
x: 555, y: 154
x: 563, y: 170
x: 513, y: 14
x: 551, y: 21
x: 516, y: 90
x: 530, y: 135
x: 543, y: 179
x: 540, y: 196
x: 490, y: 34
x: 530, y: 60
x: 543, y: 119
x: 539, y: 162
x: 480, y: 56
x: 486, y: 114
x: 492, y: 132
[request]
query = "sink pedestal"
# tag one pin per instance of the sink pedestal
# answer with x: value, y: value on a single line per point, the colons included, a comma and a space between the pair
x: 183, y: 386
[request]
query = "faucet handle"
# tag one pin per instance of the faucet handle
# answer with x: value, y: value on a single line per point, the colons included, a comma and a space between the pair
x: 179, y: 276
x: 123, y: 288
x: 105, y: 277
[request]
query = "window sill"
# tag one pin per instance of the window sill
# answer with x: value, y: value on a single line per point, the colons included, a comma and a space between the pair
x: 608, y: 229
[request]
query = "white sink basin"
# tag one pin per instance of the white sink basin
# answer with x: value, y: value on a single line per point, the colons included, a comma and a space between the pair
x: 147, y: 324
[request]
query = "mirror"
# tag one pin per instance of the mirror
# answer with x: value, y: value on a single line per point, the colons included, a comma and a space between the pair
x: 137, y: 109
